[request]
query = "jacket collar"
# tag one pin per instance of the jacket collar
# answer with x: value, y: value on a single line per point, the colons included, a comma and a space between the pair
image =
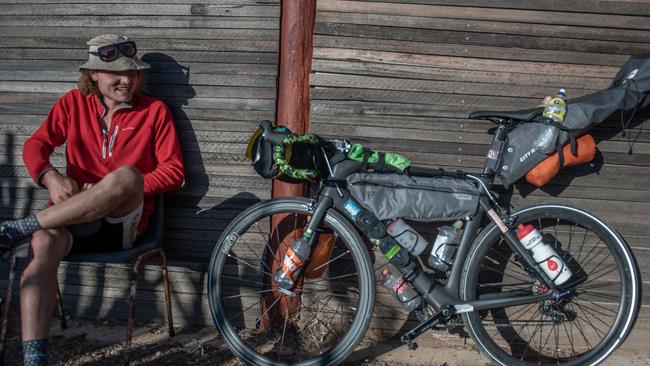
x: 102, y: 108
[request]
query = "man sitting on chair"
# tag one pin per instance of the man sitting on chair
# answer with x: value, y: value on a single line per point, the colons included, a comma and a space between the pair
x: 121, y: 151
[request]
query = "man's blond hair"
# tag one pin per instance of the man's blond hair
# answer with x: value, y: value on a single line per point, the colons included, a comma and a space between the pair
x: 89, y: 87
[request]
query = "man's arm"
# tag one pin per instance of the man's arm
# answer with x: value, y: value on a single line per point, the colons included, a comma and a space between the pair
x: 169, y: 172
x: 38, y: 149
x: 59, y: 186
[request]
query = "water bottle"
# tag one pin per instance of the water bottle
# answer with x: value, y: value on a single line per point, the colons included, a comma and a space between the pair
x: 545, y: 256
x: 444, y: 247
x: 400, y: 288
x: 406, y: 236
x: 554, y: 110
x: 293, y: 262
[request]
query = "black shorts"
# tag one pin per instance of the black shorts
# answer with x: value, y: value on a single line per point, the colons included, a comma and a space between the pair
x: 106, y: 235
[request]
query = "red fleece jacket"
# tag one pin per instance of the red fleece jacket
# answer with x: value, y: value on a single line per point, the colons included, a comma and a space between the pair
x: 140, y: 135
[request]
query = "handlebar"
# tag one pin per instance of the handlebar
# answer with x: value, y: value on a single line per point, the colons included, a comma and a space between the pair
x: 279, y: 160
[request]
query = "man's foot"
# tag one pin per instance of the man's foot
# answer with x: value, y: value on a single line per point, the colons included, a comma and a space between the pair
x: 10, y: 237
x: 14, y: 232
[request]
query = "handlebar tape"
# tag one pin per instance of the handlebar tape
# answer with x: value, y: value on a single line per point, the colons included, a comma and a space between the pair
x: 284, y: 168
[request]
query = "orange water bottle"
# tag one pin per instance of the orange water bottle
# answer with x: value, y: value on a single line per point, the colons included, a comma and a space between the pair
x: 293, y: 262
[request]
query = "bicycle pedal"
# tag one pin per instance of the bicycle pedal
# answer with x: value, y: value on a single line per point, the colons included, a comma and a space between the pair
x: 412, y: 346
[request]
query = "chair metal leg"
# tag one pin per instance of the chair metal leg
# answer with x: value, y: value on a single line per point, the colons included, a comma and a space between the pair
x: 134, y: 287
x: 130, y: 321
x: 168, y: 300
x: 64, y: 323
x: 7, y: 307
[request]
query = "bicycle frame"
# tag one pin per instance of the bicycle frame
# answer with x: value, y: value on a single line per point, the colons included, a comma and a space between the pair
x: 333, y: 194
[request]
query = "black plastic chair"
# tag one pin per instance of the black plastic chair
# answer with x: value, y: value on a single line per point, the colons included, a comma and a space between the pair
x: 147, y: 247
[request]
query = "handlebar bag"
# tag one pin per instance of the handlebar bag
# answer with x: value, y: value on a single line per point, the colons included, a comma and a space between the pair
x: 298, y: 155
x: 391, y: 195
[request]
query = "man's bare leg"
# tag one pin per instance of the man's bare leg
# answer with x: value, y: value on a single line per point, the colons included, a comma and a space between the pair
x: 118, y: 193
x: 38, y: 282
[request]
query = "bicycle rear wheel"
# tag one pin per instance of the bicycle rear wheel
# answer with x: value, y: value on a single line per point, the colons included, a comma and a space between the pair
x: 582, y: 328
x: 331, y: 307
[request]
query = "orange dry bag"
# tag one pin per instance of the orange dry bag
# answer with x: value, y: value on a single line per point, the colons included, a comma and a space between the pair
x: 543, y: 172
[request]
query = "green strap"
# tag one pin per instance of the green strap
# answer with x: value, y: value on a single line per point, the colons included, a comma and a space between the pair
x: 284, y: 168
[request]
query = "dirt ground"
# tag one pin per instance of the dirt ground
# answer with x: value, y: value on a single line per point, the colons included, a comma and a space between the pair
x: 88, y: 342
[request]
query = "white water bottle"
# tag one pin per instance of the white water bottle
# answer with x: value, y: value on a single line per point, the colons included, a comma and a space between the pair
x: 444, y: 248
x: 406, y: 236
x: 545, y: 256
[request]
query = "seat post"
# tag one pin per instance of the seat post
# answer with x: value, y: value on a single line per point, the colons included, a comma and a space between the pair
x: 493, y: 158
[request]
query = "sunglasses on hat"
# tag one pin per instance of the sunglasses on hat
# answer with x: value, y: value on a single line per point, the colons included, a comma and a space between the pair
x: 112, y: 52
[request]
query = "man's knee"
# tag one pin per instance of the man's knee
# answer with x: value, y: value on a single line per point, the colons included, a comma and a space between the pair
x: 125, y: 181
x: 50, y: 244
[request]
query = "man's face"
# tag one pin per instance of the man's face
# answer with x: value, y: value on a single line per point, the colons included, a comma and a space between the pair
x: 116, y: 86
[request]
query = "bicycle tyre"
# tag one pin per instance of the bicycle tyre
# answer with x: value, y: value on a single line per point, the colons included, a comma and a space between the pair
x: 237, y: 337
x: 609, y: 302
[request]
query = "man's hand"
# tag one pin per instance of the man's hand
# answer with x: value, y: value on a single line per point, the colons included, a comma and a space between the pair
x: 60, y: 187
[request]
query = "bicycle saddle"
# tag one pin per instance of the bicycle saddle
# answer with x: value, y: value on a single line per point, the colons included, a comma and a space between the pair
x: 521, y: 115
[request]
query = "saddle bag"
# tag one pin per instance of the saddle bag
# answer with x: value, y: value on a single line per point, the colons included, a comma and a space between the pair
x: 627, y: 94
x: 391, y: 195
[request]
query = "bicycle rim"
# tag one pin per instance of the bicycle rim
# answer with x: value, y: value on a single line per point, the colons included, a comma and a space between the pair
x: 329, y: 313
x: 580, y: 329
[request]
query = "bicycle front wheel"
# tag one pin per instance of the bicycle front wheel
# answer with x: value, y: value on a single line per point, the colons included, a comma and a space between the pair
x: 325, y: 316
x: 581, y: 328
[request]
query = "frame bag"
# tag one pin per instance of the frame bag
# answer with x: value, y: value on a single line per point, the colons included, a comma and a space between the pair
x: 417, y: 198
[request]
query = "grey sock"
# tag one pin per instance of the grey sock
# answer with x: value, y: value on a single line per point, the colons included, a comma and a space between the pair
x: 22, y: 228
x: 35, y: 352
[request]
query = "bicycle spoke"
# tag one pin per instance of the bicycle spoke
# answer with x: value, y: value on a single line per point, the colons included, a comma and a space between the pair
x: 311, y: 332
x: 538, y: 327
x: 284, y: 327
x: 246, y: 263
x: 592, y: 314
x: 265, y: 239
x: 576, y: 326
x: 569, y: 338
x: 249, y: 294
x: 331, y: 260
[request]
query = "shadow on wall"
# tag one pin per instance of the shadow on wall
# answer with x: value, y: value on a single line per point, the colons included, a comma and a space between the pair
x: 15, y: 202
x: 170, y: 81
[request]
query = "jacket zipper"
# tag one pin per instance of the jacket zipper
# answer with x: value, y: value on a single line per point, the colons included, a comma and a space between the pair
x: 112, y: 142
x: 104, y: 138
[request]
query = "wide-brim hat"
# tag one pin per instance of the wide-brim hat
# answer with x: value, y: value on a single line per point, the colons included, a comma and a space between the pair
x: 122, y: 63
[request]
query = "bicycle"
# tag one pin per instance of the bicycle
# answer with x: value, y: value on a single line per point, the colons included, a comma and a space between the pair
x: 510, y: 307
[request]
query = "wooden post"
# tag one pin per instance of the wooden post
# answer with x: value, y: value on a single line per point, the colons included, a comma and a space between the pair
x: 296, y: 48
